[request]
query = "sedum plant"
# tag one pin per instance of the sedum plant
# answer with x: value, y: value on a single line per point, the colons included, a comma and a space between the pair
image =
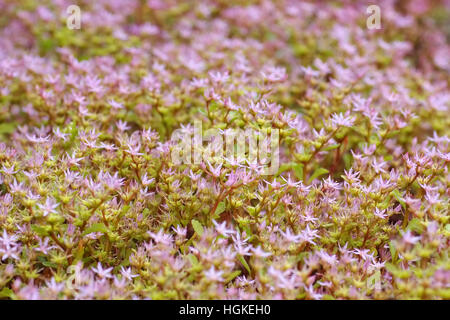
x: 93, y: 205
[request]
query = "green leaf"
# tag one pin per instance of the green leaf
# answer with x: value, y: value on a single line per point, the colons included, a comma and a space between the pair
x: 447, y: 229
x: 251, y: 210
x: 347, y: 160
x: 232, y: 276
x: 415, y: 225
x: 317, y: 173
x: 192, y: 259
x: 298, y: 170
x: 397, y: 194
x: 46, y: 45
x: 6, y: 293
x: 97, y: 227
x: 391, y: 268
x: 41, y: 231
x: 220, y: 208
x: 47, y: 263
x: 393, y: 251
x: 332, y: 147
x: 79, y: 254
x: 198, y: 228
x: 145, y: 212
x: 245, y: 264
x: 284, y: 167
x: 374, y: 279
x: 7, y: 127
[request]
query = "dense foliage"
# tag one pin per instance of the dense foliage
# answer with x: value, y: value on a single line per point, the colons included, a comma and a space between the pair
x: 92, y: 206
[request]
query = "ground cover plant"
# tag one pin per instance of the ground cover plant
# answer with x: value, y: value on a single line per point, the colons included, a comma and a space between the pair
x: 94, y: 206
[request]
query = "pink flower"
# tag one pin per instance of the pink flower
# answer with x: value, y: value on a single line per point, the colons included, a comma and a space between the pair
x: 409, y: 238
x: 339, y: 120
x: 102, y: 273
x: 126, y: 273
x: 290, y: 237
x: 49, y: 206
x: 222, y: 229
x: 258, y: 252
x: 7, y: 240
x: 380, y: 213
x: 115, y: 105
x: 214, y: 275
x: 43, y: 246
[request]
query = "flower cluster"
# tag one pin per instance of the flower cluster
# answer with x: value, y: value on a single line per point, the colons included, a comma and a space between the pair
x: 92, y: 205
